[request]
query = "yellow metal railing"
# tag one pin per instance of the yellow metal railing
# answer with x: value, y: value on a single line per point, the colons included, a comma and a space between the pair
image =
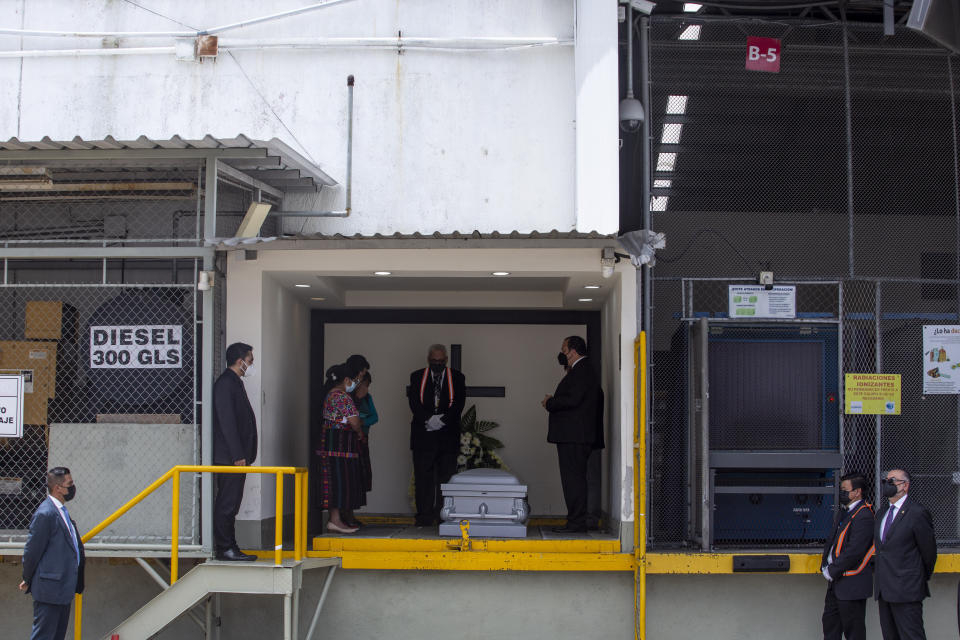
x: 300, y: 516
x: 640, y: 485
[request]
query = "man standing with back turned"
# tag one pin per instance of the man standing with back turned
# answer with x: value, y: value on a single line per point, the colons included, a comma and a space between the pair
x: 846, y: 564
x: 906, y: 555
x: 53, y: 559
x: 573, y: 409
x: 234, y: 444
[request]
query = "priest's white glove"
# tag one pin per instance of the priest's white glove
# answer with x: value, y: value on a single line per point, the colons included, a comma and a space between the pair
x: 826, y: 574
x: 434, y: 423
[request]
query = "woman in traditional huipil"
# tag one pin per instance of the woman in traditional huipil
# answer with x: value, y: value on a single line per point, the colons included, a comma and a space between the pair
x: 341, y: 483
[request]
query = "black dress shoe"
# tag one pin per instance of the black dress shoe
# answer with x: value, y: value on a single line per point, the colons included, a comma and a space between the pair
x: 235, y: 555
x: 568, y: 529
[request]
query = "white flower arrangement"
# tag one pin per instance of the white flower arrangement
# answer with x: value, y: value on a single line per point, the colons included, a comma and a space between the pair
x: 477, y: 448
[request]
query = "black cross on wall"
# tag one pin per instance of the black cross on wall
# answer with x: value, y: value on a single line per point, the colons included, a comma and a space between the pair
x: 456, y: 355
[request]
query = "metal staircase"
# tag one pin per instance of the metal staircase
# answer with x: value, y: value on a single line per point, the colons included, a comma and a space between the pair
x: 213, y: 577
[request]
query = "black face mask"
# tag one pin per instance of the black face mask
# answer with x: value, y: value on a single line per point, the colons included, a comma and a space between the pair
x: 562, y: 359
x: 889, y: 489
x: 71, y: 492
x: 437, y: 368
x: 844, y: 497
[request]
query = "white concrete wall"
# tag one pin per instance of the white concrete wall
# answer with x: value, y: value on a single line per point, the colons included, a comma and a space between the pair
x: 443, y: 140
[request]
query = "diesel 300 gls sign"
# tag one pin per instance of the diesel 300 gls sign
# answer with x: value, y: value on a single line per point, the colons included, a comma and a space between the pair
x: 155, y: 346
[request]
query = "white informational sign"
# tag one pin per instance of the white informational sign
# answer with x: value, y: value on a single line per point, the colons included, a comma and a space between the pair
x: 155, y: 346
x: 941, y: 359
x: 11, y: 406
x: 754, y: 301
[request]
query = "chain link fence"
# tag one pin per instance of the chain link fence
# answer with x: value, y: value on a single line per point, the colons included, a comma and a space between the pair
x: 839, y: 174
x: 109, y: 353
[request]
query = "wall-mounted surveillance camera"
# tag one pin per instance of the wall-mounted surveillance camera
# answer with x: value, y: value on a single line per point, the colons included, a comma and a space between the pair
x: 766, y: 279
x: 643, y: 6
x: 631, y: 115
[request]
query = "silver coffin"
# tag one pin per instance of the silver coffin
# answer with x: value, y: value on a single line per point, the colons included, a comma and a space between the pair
x: 492, y: 500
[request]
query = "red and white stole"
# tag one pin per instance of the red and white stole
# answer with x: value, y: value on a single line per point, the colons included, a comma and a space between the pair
x: 423, y: 385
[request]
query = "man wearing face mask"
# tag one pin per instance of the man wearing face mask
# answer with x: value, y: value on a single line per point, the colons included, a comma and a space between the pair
x: 846, y: 564
x: 234, y: 444
x: 574, y: 410
x: 436, y: 396
x: 906, y: 555
x: 53, y: 559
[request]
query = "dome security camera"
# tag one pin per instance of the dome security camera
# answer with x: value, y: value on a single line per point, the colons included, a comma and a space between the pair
x: 631, y: 115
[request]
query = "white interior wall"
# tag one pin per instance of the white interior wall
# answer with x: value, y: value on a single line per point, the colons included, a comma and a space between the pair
x: 284, y: 361
x: 521, y: 358
x: 246, y: 316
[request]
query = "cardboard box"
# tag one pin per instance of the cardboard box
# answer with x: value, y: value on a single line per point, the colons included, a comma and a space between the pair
x: 50, y: 320
x: 38, y: 361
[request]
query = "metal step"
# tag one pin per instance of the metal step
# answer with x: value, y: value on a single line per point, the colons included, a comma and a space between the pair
x: 213, y: 576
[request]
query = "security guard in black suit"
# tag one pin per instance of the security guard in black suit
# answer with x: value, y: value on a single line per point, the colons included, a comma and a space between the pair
x: 906, y: 555
x: 234, y: 444
x: 574, y: 410
x: 846, y: 564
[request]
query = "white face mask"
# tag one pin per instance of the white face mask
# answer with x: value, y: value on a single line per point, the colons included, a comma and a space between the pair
x: 351, y: 386
x: 249, y: 370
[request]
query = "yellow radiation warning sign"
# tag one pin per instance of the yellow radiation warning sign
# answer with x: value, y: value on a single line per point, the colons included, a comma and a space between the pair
x: 871, y: 393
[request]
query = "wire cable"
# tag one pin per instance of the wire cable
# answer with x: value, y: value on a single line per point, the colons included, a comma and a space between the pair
x: 751, y: 266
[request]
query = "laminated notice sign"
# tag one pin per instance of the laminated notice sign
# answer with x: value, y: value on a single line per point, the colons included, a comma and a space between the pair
x: 941, y: 359
x: 871, y: 393
x: 136, y: 347
x: 11, y: 406
x: 755, y: 301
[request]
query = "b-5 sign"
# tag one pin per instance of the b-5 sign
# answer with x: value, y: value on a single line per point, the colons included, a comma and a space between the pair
x: 763, y: 54
x: 157, y: 346
x: 11, y: 406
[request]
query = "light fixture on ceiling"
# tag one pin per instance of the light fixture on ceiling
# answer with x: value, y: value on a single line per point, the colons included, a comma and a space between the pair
x: 591, y: 286
x: 382, y: 273
x: 318, y: 299
x: 584, y: 299
x: 500, y: 273
x: 302, y: 286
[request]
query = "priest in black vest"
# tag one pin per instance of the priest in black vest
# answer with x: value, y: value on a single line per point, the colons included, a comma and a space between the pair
x: 846, y: 565
x: 436, y: 395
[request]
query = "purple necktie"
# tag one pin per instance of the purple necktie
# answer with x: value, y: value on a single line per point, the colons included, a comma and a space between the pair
x: 886, y: 525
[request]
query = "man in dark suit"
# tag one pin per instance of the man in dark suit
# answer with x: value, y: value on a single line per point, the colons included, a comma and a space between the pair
x: 846, y: 564
x: 53, y: 559
x: 234, y: 444
x: 436, y: 396
x: 574, y: 411
x: 906, y: 555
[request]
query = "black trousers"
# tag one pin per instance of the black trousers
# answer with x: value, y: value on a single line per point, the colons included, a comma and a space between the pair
x: 573, y: 458
x: 431, y: 468
x: 595, y: 488
x: 225, y: 508
x: 843, y: 618
x: 49, y: 621
x: 901, y: 620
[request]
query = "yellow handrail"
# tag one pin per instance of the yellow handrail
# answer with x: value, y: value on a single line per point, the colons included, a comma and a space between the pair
x: 300, y: 516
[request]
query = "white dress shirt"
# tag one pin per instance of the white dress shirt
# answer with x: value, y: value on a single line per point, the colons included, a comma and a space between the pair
x: 896, y: 506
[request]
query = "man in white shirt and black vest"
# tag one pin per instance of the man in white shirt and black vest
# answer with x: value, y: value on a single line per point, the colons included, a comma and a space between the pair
x: 436, y: 396
x: 846, y: 563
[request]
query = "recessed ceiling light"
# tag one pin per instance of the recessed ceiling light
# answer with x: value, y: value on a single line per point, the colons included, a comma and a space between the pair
x: 500, y: 273
x: 591, y: 286
x: 381, y: 273
x: 318, y: 299
x: 584, y: 299
x: 302, y: 286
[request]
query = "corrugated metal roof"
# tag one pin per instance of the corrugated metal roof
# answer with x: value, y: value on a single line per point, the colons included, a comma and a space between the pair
x: 436, y: 239
x: 283, y: 167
